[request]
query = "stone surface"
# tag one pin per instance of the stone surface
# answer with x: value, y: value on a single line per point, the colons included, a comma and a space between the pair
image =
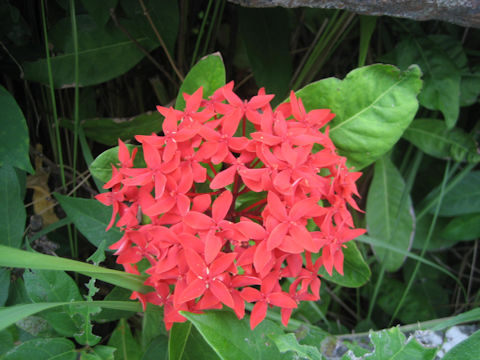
x: 460, y: 12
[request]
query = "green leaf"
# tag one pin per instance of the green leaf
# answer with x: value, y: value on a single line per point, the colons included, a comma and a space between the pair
x: 355, y: 270
x: 434, y: 138
x: 470, y: 88
x: 266, y: 35
x: 177, y: 340
x: 468, y: 316
x: 442, y: 75
x: 101, y: 168
x: 85, y: 336
x: 6, y: 341
x: 43, y: 349
x: 104, y: 53
x: 157, y: 349
x: 14, y: 140
x: 11, y: 257
x: 122, y: 339
x: 422, y: 228
x: 390, y: 215
x: 108, y: 130
x: 288, y: 342
x: 100, y: 10
x: 4, y: 285
x: 196, y: 344
x: 233, y: 339
x: 152, y: 325
x: 373, y: 107
x: 50, y: 286
x: 209, y: 72
x: 463, y: 198
x: 10, y: 315
x: 461, y: 228
x: 12, y: 211
x: 107, y: 315
x: 99, y: 352
x: 391, y: 344
x: 468, y: 349
x: 91, y: 218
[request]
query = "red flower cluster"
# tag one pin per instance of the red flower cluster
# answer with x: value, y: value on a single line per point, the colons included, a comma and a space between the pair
x: 208, y: 248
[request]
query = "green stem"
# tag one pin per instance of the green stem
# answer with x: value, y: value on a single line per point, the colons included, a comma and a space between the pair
x: 200, y: 33
x: 52, y: 96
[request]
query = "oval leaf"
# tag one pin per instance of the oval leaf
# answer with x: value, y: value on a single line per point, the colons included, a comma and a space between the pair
x: 101, y: 167
x: 355, y: 269
x: 390, y: 216
x: 43, y: 349
x: 14, y: 139
x: 373, y: 106
x: 209, y: 72
x: 461, y: 228
x: 434, y: 138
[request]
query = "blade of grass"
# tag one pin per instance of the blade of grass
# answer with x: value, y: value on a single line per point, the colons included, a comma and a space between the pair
x: 10, y: 257
x: 12, y: 314
x: 49, y: 229
x: 200, y: 33
x: 367, y: 27
x: 210, y: 27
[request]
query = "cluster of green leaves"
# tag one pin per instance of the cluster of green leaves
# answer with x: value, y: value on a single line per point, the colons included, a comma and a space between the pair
x: 407, y: 125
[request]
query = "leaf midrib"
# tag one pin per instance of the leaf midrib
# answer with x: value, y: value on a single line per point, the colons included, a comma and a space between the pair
x: 437, y: 137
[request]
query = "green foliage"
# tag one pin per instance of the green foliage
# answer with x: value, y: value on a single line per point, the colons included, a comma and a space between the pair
x: 123, y: 340
x: 373, y: 106
x: 390, y: 216
x: 43, y: 349
x: 467, y: 350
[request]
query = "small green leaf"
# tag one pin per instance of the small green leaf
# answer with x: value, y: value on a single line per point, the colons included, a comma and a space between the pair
x: 122, y: 339
x: 157, y: 349
x: 470, y: 87
x: 355, y: 270
x: 152, y: 324
x: 434, y: 138
x: 373, y: 106
x: 11, y: 257
x: 91, y: 218
x: 461, y: 228
x: 468, y: 349
x: 177, y: 340
x: 108, y: 130
x: 99, y: 352
x: 50, y: 286
x: 43, y: 349
x: 104, y: 53
x: 390, y: 214
x: 288, y: 342
x: 233, y: 339
x: 6, y: 341
x: 12, y: 211
x: 14, y: 140
x: 209, y: 72
x: 101, y: 168
x: 391, y: 344
x: 266, y: 36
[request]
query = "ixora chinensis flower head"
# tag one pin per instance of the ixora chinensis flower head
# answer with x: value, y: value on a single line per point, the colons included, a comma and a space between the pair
x: 231, y: 212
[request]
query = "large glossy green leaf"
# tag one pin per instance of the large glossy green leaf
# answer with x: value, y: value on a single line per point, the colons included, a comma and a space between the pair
x: 196, y: 344
x: 157, y: 349
x: 209, y: 72
x: 43, y: 349
x: 461, y: 228
x: 101, y: 168
x: 442, y: 74
x: 122, y: 339
x: 12, y: 314
x: 266, y: 36
x: 468, y: 349
x: 104, y: 53
x: 463, y: 198
x: 50, y: 286
x: 12, y: 211
x: 91, y: 218
x: 177, y: 340
x: 391, y: 344
x: 233, y: 339
x: 373, y: 107
x: 108, y: 130
x: 355, y: 270
x: 14, y: 138
x: 434, y: 138
x: 390, y: 216
x: 11, y: 257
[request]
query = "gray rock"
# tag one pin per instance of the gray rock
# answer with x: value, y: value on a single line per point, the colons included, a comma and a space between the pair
x: 460, y: 12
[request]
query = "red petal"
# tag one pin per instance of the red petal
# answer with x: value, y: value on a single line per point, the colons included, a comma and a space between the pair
x: 251, y: 229
x: 276, y: 236
x: 303, y: 237
x: 221, y: 205
x: 183, y: 204
x: 222, y: 263
x: 259, y: 312
x: 282, y: 299
x: 195, y: 262
x: 201, y: 203
x: 151, y: 156
x: 224, y: 178
x: 212, y: 247
x: 276, y: 207
x: 262, y: 256
x: 195, y: 289
x: 198, y: 220
x: 250, y: 294
x: 222, y: 293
